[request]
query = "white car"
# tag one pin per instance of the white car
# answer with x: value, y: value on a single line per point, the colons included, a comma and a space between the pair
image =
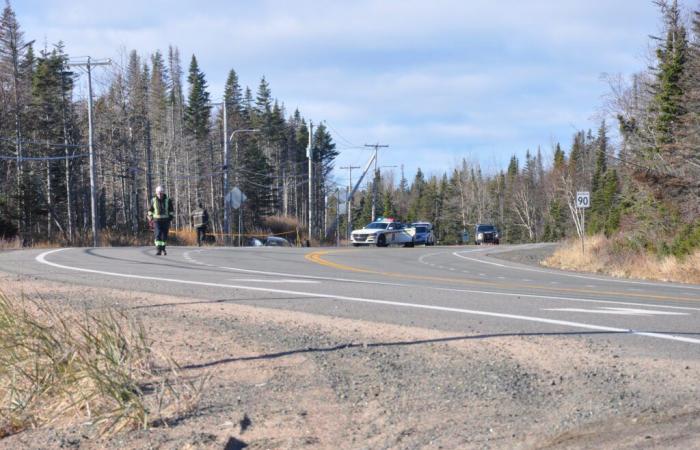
x: 384, y: 232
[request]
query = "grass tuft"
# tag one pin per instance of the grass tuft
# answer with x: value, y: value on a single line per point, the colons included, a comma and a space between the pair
x: 97, y: 367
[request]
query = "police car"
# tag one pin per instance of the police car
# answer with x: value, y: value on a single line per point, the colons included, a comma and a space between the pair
x: 384, y: 232
x: 424, y: 233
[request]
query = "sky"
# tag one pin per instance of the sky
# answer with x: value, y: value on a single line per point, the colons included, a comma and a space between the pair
x: 437, y: 81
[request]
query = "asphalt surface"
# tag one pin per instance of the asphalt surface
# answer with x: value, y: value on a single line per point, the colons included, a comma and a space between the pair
x: 466, y: 290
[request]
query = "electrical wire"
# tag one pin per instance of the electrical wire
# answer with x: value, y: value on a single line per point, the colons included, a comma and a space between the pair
x: 42, y: 158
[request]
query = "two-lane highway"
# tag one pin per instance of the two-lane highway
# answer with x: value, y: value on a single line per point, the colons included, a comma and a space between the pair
x: 459, y: 289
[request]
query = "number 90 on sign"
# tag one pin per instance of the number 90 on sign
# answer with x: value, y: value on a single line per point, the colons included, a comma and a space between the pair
x: 583, y: 199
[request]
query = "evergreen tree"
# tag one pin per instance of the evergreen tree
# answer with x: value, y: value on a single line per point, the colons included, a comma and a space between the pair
x: 198, y: 110
x: 671, y: 55
x: 597, y: 210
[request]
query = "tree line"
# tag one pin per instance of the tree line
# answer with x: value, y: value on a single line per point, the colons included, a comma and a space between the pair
x: 645, y: 191
x: 156, y: 123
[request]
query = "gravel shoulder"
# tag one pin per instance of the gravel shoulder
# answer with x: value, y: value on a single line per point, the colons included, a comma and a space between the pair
x: 287, y: 380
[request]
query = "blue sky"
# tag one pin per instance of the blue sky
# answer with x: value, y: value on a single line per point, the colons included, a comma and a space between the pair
x: 436, y: 80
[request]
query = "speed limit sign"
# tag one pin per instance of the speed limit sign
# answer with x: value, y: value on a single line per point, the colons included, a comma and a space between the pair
x: 583, y: 199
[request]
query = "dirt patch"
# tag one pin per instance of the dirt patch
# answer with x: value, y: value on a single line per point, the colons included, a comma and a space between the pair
x: 283, y: 380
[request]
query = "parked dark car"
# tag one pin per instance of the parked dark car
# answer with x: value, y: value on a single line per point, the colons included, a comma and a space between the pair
x: 274, y: 241
x: 486, y: 234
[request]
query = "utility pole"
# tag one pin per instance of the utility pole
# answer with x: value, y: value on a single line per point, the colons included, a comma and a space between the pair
x: 337, y: 216
x: 227, y: 228
x: 93, y: 190
x: 309, y: 155
x: 376, y: 176
x: 348, y: 203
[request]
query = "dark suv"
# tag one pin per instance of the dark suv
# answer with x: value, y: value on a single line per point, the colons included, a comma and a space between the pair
x: 486, y: 234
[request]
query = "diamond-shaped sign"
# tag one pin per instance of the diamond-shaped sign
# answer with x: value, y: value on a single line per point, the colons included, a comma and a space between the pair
x: 235, y: 198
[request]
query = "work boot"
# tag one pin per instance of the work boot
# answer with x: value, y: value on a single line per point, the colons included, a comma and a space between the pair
x: 158, y: 252
x: 164, y: 252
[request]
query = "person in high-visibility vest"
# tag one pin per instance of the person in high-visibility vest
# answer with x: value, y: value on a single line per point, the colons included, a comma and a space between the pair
x: 200, y: 222
x: 160, y: 213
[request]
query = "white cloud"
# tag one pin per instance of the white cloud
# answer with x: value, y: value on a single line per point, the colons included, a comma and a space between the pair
x: 443, y: 77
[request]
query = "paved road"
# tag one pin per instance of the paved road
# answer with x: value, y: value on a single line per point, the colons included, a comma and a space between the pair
x: 458, y: 289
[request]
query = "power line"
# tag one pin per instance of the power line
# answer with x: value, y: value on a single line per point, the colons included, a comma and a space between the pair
x: 43, y: 158
x: 43, y: 144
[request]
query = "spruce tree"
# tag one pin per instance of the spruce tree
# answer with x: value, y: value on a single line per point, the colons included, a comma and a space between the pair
x: 671, y: 55
x: 198, y: 110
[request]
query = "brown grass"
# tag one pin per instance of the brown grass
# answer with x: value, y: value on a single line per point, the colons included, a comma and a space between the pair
x: 603, y: 255
x: 55, y: 366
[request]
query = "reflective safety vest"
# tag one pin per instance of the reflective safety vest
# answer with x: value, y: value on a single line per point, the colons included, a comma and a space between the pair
x: 155, y: 211
x: 200, y: 218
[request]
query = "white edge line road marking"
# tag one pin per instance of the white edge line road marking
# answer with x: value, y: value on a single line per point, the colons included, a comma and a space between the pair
x: 268, y: 280
x: 555, y: 272
x: 567, y: 299
x: 471, y: 291
x: 619, y: 311
x: 457, y: 254
x: 42, y: 259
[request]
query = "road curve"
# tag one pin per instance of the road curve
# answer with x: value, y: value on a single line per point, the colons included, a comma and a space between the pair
x: 460, y: 289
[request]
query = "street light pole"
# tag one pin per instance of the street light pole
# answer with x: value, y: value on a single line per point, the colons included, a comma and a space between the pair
x: 226, y: 224
x: 227, y: 228
x: 309, y: 155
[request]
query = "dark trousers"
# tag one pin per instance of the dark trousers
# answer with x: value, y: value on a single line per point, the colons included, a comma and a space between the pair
x: 160, y: 229
x: 201, y: 232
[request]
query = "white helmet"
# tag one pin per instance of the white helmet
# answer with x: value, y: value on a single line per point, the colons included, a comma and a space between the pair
x: 159, y: 189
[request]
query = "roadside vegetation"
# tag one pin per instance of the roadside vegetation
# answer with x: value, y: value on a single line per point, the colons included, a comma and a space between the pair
x: 614, y: 256
x: 95, y: 368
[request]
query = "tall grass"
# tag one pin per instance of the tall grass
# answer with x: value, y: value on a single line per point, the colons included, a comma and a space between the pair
x: 97, y: 367
x: 612, y: 256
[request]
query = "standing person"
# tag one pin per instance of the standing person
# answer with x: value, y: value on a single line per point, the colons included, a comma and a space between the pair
x: 161, y: 213
x: 200, y: 221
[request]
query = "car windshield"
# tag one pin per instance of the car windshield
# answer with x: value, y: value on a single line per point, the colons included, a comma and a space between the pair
x: 485, y: 228
x: 377, y: 225
x: 421, y: 230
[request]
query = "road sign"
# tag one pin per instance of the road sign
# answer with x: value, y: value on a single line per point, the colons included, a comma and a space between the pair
x: 583, y: 199
x: 235, y: 197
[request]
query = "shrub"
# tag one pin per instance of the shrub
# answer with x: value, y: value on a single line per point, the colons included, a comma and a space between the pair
x: 97, y: 366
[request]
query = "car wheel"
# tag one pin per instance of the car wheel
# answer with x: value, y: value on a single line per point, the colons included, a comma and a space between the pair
x: 381, y: 241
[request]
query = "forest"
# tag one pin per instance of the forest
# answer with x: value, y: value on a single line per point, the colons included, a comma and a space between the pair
x: 156, y: 123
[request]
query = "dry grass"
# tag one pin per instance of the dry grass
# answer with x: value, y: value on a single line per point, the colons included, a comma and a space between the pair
x: 95, y: 367
x: 603, y: 255
x: 14, y: 243
x: 185, y: 236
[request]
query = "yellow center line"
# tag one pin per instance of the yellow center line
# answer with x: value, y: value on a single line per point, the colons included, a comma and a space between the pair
x: 317, y: 257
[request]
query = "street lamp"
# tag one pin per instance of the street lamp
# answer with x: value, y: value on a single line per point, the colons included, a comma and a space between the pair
x: 227, y: 228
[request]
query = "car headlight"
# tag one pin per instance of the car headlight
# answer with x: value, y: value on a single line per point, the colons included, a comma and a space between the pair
x: 496, y: 235
x: 480, y: 235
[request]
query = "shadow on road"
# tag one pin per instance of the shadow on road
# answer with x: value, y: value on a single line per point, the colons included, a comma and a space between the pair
x: 221, y: 300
